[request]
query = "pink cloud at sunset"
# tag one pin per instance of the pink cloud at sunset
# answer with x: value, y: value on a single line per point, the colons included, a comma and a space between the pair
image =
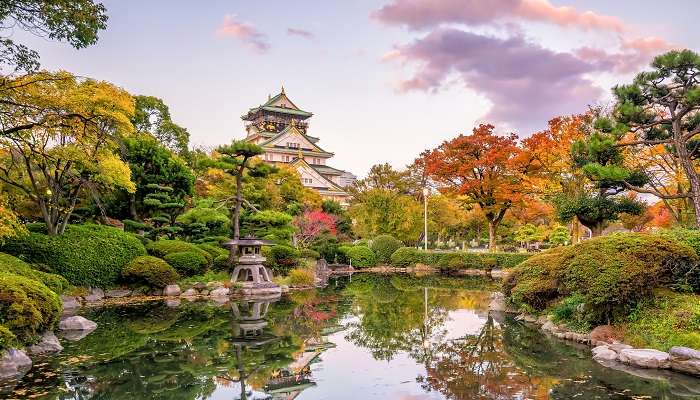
x: 244, y: 32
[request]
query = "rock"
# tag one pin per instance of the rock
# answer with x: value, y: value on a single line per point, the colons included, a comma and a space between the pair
x: 645, y: 358
x: 200, y: 285
x: 220, y: 292
x: 96, y: 294
x: 542, y: 320
x: 618, y: 347
x: 498, y: 302
x: 171, y: 290
x: 69, y: 302
x: 117, y: 293
x: 172, y: 303
x: 214, y: 285
x: 685, y: 359
x: 48, y: 344
x: 189, y: 293
x: 605, y: 333
x: 77, y: 323
x: 13, y: 365
x: 155, y: 292
x: 604, y: 353
x: 526, y: 318
x: 204, y: 292
x: 74, y: 336
x: 550, y: 327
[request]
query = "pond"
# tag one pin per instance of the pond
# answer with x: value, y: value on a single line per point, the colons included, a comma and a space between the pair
x: 364, y: 337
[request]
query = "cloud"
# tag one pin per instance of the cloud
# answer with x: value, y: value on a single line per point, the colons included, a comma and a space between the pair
x: 244, y: 32
x: 301, y: 33
x: 633, y: 54
x: 526, y: 83
x: 419, y: 14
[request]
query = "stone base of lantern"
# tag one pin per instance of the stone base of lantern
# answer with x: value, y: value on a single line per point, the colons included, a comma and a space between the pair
x: 258, y: 290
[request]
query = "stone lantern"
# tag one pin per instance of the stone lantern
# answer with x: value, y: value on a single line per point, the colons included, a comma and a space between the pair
x: 250, y: 274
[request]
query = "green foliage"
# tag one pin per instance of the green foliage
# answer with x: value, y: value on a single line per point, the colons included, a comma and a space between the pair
x: 27, y: 307
x: 220, y: 263
x: 594, y: 211
x: 280, y: 258
x: 214, y: 251
x: 301, y: 277
x: 559, y: 236
x: 268, y: 224
x: 13, y: 265
x: 568, y: 311
x: 150, y: 271
x: 384, y: 246
x: 665, y: 320
x: 380, y: 211
x: 187, y: 263
x: 152, y: 116
x: 327, y: 247
x: 161, y: 248
x: 7, y: 338
x: 612, y: 273
x: 86, y: 255
x: 361, y: 256
x: 204, y: 220
x: 407, y: 256
x: 309, y: 253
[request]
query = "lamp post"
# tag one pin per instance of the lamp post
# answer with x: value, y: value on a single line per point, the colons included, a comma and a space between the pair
x: 425, y: 217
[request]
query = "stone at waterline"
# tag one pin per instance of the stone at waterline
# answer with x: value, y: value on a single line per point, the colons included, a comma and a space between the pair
x: 189, y: 293
x: 49, y: 344
x: 498, y: 302
x: 118, y: 293
x: 214, y: 285
x: 645, y: 358
x: 199, y: 285
x: 685, y: 359
x: 76, y: 323
x: 69, y: 302
x: 171, y: 290
x: 604, y: 353
x: 96, y: 294
x: 172, y: 303
x: 13, y: 365
x: 220, y: 292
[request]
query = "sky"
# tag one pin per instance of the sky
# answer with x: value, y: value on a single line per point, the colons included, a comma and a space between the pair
x: 385, y: 79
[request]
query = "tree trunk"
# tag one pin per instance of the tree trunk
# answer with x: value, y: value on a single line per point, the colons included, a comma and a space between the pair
x: 236, y: 218
x: 492, y: 235
x: 132, y: 207
x: 575, y: 228
x: 690, y: 172
x: 597, y: 229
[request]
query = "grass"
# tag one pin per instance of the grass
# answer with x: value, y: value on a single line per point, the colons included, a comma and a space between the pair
x: 668, y: 319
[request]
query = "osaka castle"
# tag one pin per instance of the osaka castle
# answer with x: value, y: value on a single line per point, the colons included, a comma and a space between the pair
x: 281, y: 129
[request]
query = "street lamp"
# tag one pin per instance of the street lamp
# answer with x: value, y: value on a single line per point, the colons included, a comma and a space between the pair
x: 426, y: 191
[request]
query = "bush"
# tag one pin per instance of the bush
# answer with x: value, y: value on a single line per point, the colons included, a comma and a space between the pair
x: 86, y: 255
x: 308, y: 253
x: 187, y: 263
x: 611, y: 273
x: 27, y: 307
x: 301, y: 277
x: 280, y: 258
x: 361, y: 256
x: 161, y: 248
x: 341, y: 254
x: 451, y: 262
x: 327, y: 247
x: 13, y: 265
x: 220, y: 263
x: 384, y: 246
x: 213, y: 250
x: 691, y: 238
x: 7, y: 338
x: 405, y: 256
x: 150, y: 271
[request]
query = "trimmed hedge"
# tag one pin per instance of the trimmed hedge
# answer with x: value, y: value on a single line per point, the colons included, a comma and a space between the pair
x: 163, y: 247
x: 407, y: 256
x: 86, y: 255
x: 14, y: 265
x: 150, y: 271
x: 27, y: 308
x: 384, y: 246
x: 611, y: 274
x: 361, y: 256
x: 187, y: 263
x: 280, y: 258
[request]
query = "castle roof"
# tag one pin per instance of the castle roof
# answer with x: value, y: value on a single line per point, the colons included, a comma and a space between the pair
x: 279, y: 104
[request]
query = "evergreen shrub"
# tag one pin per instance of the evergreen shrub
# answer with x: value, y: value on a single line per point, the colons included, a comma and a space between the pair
x: 187, y: 263
x: 384, y: 246
x: 150, y: 271
x: 13, y: 265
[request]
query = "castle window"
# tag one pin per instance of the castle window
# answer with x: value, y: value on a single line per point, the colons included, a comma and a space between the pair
x: 286, y: 158
x: 292, y: 145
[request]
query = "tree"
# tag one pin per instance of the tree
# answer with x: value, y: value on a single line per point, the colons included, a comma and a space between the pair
x: 382, y: 211
x: 312, y: 224
x: 10, y: 225
x: 529, y: 233
x: 486, y: 168
x: 153, y: 116
x: 662, y: 107
x: 559, y: 236
x: 74, y: 21
x: 62, y: 141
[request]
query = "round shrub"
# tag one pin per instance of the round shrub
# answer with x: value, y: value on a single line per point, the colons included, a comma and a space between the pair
x: 611, y: 273
x: 308, y: 253
x: 301, y: 277
x: 221, y: 263
x: 341, y: 254
x: 187, y: 263
x: 281, y: 258
x: 150, y: 271
x: 7, y: 338
x: 362, y: 256
x: 384, y: 246
x: 405, y: 256
x: 213, y: 250
x: 451, y: 262
x: 163, y: 247
x: 14, y: 265
x: 27, y: 307
x: 86, y: 255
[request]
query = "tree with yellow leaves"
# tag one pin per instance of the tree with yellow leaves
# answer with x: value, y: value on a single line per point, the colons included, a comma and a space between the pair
x: 58, y: 139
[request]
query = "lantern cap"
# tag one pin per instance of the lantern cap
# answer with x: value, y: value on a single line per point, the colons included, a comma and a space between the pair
x: 248, y: 242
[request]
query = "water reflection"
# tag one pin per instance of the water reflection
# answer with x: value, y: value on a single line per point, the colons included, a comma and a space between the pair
x: 372, y: 337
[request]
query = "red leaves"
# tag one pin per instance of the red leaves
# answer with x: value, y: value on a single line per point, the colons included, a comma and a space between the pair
x: 312, y: 224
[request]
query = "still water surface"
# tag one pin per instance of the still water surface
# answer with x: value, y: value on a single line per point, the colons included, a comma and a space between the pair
x: 371, y: 337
